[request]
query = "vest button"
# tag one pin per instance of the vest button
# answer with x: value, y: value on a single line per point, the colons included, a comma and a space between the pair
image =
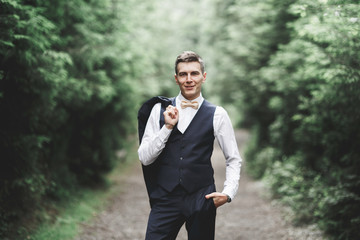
x: 181, y: 158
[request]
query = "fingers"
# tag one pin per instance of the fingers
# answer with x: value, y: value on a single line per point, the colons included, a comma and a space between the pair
x: 171, y: 108
x: 214, y: 194
x: 211, y: 195
x: 171, y: 116
x: 218, y: 198
x: 171, y: 111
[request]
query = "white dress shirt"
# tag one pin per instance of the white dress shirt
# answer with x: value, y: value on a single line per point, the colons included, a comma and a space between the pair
x: 154, y: 139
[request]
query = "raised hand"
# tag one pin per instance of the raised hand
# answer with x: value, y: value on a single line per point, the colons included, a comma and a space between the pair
x: 171, y: 116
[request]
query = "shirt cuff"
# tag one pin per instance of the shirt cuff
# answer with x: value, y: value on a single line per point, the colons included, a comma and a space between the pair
x: 164, y: 134
x: 231, y: 195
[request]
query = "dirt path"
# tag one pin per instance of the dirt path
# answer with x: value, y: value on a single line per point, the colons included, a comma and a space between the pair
x: 249, y: 217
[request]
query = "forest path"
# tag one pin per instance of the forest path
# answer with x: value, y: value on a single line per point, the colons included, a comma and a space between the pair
x: 250, y: 216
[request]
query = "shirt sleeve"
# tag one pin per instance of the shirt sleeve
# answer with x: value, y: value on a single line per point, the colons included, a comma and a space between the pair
x: 224, y: 133
x: 154, y: 139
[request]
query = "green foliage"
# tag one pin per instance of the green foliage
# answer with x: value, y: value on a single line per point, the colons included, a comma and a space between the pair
x: 296, y: 187
x: 66, y: 100
x: 262, y: 159
x: 297, y: 71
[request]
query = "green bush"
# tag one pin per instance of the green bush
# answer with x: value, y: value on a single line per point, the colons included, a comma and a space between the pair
x: 318, y: 118
x: 299, y: 91
x: 65, y: 101
x: 261, y: 159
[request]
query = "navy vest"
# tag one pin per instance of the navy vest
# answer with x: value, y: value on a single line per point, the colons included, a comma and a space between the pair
x: 186, y: 158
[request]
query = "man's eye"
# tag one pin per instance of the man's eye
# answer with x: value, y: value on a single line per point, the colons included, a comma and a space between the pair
x: 195, y: 73
x: 182, y: 74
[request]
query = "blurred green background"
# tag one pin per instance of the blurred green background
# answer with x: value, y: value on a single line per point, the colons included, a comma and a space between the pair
x: 74, y: 73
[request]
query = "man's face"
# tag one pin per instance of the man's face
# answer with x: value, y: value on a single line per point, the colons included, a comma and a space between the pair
x: 190, y: 78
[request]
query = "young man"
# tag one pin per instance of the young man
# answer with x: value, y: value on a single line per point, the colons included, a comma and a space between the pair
x: 175, y: 152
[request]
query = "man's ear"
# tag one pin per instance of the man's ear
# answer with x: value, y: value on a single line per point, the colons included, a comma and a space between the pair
x: 204, y: 75
x: 176, y: 79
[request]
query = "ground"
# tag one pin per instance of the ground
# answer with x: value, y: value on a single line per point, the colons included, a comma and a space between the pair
x: 250, y: 216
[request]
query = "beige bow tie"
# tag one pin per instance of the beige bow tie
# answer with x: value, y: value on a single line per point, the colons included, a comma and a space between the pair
x: 185, y: 104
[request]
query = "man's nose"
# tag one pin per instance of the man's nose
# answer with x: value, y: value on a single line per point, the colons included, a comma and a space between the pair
x: 188, y: 77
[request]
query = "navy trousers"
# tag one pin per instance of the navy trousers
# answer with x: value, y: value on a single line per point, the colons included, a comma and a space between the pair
x: 171, y: 211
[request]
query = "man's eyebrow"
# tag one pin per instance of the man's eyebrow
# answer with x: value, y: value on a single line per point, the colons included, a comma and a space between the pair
x: 189, y: 71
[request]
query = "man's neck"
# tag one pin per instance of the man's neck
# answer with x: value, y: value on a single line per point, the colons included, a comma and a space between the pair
x: 198, y: 98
